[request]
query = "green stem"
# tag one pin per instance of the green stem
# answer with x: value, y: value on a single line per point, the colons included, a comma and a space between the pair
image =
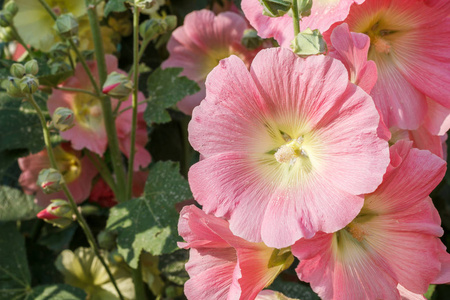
x: 73, y: 205
x: 134, y: 103
x: 139, y: 291
x: 144, y: 45
x: 130, y: 107
x: 75, y: 90
x: 110, y: 125
x: 48, y: 9
x: 102, y: 169
x: 295, y: 17
x: 19, y: 39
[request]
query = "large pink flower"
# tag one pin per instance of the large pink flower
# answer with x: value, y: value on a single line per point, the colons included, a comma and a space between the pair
x: 78, y: 173
x: 89, y: 130
x: 223, y: 266
x: 292, y: 143
x: 394, y: 240
x: 324, y: 13
x: 410, y: 45
x: 201, y: 43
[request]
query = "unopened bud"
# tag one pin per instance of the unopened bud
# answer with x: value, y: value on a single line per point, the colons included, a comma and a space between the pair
x: 63, y: 118
x: 50, y: 180
x: 115, y: 257
x: 150, y: 29
x: 106, y: 239
x: 304, y: 7
x: 309, y: 42
x: 32, y: 67
x: 13, y: 88
x: 29, y: 84
x: 117, y: 86
x: 251, y: 40
x: 59, y: 213
x: 6, y: 18
x: 17, y: 70
x: 6, y: 34
x: 11, y: 7
x: 66, y: 25
x: 171, y: 22
x: 275, y: 8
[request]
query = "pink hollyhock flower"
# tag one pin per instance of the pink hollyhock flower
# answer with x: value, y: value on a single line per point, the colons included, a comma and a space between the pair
x: 292, y: 143
x: 324, y: 13
x: 89, y: 130
x: 222, y: 265
x: 77, y: 171
x: 272, y: 295
x: 394, y: 239
x: 201, y: 43
x: 409, y: 44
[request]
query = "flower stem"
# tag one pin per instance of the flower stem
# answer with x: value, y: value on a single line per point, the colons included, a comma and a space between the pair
x: 138, y: 283
x: 295, y: 17
x: 134, y: 102
x: 73, y: 205
x: 102, y: 169
x: 144, y: 45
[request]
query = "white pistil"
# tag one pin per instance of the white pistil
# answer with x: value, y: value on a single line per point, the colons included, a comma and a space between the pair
x: 288, y: 153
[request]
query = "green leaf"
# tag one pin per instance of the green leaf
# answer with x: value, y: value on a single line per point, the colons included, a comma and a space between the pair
x: 165, y: 89
x: 50, y: 77
x: 15, y: 276
x: 115, y: 6
x: 56, y: 292
x: 150, y: 222
x: 7, y: 158
x: 15, y: 205
x: 294, y: 289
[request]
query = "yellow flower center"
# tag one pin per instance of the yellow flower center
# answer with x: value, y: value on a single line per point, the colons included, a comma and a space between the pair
x: 68, y: 164
x: 88, y: 111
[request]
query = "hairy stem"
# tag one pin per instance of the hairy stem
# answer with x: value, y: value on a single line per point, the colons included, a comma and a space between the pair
x: 295, y: 17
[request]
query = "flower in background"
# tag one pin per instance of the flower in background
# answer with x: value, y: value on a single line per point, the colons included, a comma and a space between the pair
x: 324, y: 13
x: 84, y: 270
x: 77, y: 172
x: 110, y: 38
x: 89, y: 130
x: 201, y: 43
x: 35, y: 25
x: 393, y: 241
x: 223, y: 266
x: 293, y: 143
x: 409, y: 46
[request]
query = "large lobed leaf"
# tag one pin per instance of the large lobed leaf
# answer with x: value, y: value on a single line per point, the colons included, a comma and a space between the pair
x: 150, y: 222
x: 15, y: 205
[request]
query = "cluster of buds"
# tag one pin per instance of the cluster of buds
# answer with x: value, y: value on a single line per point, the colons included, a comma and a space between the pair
x: 59, y: 213
x: 8, y: 13
x: 22, y: 80
x: 118, y: 86
x: 278, y: 8
x: 154, y: 27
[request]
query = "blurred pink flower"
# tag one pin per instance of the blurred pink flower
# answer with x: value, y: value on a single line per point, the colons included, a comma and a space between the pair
x: 77, y: 171
x: 292, y: 143
x: 89, y: 130
x: 223, y: 266
x: 394, y: 239
x: 201, y: 43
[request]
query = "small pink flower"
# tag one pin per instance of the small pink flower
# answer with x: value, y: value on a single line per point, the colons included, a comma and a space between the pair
x: 292, y: 143
x: 323, y: 15
x: 394, y: 239
x: 77, y: 171
x: 223, y: 266
x: 201, y: 43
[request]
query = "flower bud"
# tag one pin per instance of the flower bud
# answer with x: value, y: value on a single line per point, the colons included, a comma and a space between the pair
x: 115, y: 257
x: 66, y: 25
x: 6, y: 18
x: 309, y: 42
x: 13, y: 88
x: 251, y: 40
x: 151, y: 28
x: 63, y: 118
x: 29, y: 84
x: 17, y: 70
x: 31, y: 67
x: 171, y: 22
x: 106, y: 239
x: 117, y: 86
x: 6, y: 34
x: 11, y: 7
x: 59, y: 213
x: 304, y: 7
x: 275, y: 8
x: 50, y: 180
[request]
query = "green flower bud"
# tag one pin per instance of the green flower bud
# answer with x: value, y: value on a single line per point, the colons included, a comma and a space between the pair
x: 17, y: 70
x: 66, y: 25
x: 29, y: 84
x: 59, y: 213
x: 50, y: 180
x: 11, y: 7
x: 309, y: 42
x: 31, y: 67
x: 13, y: 88
x: 251, y: 40
x: 6, y: 34
x: 171, y: 22
x: 63, y: 118
x: 6, y: 18
x: 117, y: 86
x: 151, y: 28
x: 275, y: 8
x: 106, y: 239
x: 304, y: 7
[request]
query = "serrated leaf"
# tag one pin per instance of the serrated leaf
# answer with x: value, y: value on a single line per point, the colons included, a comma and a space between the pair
x: 165, y: 89
x: 115, y: 6
x: 56, y: 292
x: 15, y: 276
x: 150, y: 222
x: 15, y: 205
x: 294, y: 289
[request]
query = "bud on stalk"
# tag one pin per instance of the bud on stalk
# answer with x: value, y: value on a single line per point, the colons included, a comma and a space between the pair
x: 66, y: 25
x: 309, y: 42
x: 31, y: 67
x: 63, y: 118
x: 50, y: 180
x: 29, y: 84
x: 117, y: 86
x: 17, y: 70
x: 275, y: 8
x: 59, y: 213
